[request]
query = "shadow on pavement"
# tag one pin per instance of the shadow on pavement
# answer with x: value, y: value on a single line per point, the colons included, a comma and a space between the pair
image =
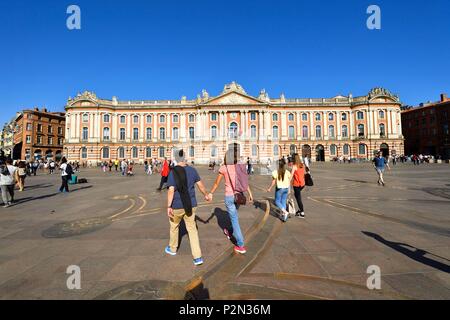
x: 411, y: 252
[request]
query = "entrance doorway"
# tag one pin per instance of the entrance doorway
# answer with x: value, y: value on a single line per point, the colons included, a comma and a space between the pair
x: 320, y: 153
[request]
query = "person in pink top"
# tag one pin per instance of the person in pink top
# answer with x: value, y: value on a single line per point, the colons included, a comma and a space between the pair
x: 234, y: 183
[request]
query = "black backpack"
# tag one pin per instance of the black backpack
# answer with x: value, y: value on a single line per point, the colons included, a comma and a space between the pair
x: 69, y: 171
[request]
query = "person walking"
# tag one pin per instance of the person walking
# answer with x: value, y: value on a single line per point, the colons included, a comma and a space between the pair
x: 236, y: 183
x: 8, y: 178
x: 298, y: 183
x: 182, y: 205
x: 164, y: 174
x: 66, y: 175
x: 123, y: 167
x: 22, y: 174
x: 116, y: 164
x: 380, y: 163
x: 282, y: 179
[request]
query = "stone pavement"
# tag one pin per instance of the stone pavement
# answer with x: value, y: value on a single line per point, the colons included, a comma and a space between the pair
x: 115, y: 229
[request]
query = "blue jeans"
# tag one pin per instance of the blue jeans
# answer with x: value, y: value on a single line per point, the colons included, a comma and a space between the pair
x: 281, y: 198
x: 234, y: 217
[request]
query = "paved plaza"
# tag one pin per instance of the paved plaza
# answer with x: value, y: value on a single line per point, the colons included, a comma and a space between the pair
x: 115, y: 229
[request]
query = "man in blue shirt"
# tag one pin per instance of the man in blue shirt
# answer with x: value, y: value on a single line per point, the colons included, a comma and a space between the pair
x: 182, y: 205
x: 380, y: 163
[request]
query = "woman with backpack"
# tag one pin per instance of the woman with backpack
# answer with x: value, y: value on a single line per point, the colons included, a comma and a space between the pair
x: 66, y: 175
x: 236, y: 183
x: 298, y: 183
x: 22, y: 174
x: 282, y: 179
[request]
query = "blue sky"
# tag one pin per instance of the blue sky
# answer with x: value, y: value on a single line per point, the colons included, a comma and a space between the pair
x: 161, y: 49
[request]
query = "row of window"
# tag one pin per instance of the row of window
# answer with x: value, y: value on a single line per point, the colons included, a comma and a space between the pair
x: 40, y: 128
x: 233, y: 132
x: 214, y: 116
x: 39, y: 140
x: 161, y: 151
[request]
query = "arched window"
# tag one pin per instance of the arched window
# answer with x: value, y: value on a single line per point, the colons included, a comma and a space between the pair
x: 123, y: 119
x: 346, y: 149
x: 175, y: 118
x: 233, y: 130
x: 331, y: 116
x: 106, y: 118
x: 122, y: 135
x: 253, y: 131
x: 134, y: 153
x: 360, y: 115
x: 105, y: 153
x: 275, y: 132
x: 162, y: 119
x: 148, y: 152
x: 275, y: 117
x: 304, y: 117
x: 85, y: 117
x: 121, y: 152
x: 254, y: 150
x: 191, y: 133
x: 381, y: 114
x: 175, y: 133
x: 149, y: 134
x: 305, y: 132
x: 360, y: 130
x: 382, y: 130
x: 162, y: 133
x: 318, y: 117
x: 362, y: 149
x: 276, y: 150
x: 213, y: 151
x: 344, y: 131
x: 291, y: 132
x: 106, y: 135
x: 84, y: 153
x: 191, y: 118
x: 291, y: 117
x: 344, y: 116
x: 191, y: 151
x: 85, y: 133
x: 135, y: 134
x: 149, y: 119
x: 333, y: 150
x: 318, y: 132
x: 213, y: 132
x: 136, y: 119
x: 331, y: 131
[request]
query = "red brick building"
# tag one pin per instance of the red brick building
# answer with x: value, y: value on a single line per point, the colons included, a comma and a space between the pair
x: 39, y: 134
x: 426, y: 128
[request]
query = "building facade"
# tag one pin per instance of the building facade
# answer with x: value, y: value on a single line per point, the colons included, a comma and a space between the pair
x: 39, y: 134
x: 426, y: 128
x: 262, y: 127
x: 7, y: 138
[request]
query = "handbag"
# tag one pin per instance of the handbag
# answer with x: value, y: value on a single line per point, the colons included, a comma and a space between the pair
x: 239, y: 197
x: 291, y: 206
x: 308, y: 180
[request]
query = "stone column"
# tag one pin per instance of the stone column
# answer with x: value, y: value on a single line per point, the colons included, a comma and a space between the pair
x: 338, y: 124
x: 183, y: 127
x: 325, y: 125
x: 283, y: 125
x: 352, y: 125
x: 114, y: 120
x: 376, y: 129
x: 141, y: 128
x: 155, y: 126
x: 299, y: 130
x: 312, y: 134
x: 389, y: 123
x: 128, y: 137
x: 168, y: 126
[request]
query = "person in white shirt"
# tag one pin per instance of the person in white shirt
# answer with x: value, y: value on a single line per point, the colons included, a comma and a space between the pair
x: 8, y: 178
x: 306, y: 162
x: 64, y: 176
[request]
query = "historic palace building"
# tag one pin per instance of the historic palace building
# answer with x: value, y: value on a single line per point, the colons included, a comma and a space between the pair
x: 262, y: 127
x: 39, y: 134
